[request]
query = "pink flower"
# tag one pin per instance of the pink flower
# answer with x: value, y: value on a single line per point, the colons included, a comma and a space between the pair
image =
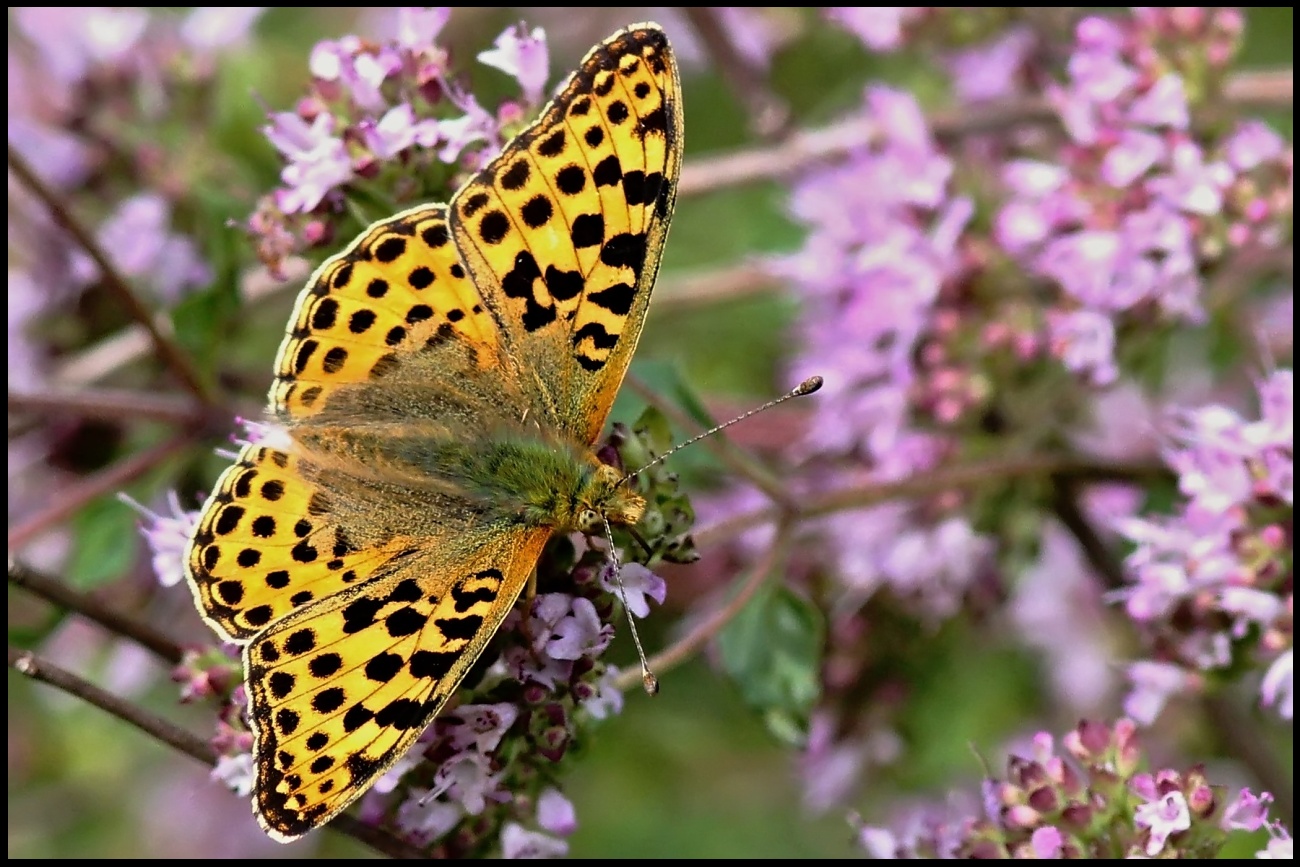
x: 398, y: 130
x: 419, y: 26
x: 555, y: 813
x: 467, y: 778
x: 879, y: 27
x: 522, y: 55
x: 639, y: 583
x: 1153, y: 684
x: 1163, y: 817
x: 1278, y: 687
x: 1253, y: 144
x: 235, y: 773
x: 519, y: 842
x: 168, y: 537
x: 579, y: 633
x: 1247, y: 812
x: 138, y: 239
x: 1163, y: 105
x: 1084, y: 340
x: 606, y: 698
x: 213, y: 28
x: 992, y: 70
x: 482, y: 725
x: 72, y: 40
x: 426, y: 817
x: 318, y: 162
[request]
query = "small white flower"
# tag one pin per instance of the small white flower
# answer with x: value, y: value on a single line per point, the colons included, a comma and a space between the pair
x: 519, y: 842
x: 1165, y: 816
x: 235, y: 773
x: 1278, y: 687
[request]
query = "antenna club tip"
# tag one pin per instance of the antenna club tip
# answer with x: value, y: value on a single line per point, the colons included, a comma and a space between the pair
x: 809, y: 385
x: 650, y: 682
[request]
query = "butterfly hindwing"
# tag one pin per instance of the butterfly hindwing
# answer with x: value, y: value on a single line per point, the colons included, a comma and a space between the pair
x: 265, y: 544
x: 563, y: 232
x: 340, y: 689
x: 399, y: 285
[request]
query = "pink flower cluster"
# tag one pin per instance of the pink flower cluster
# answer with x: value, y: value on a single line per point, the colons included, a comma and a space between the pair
x: 1212, y: 582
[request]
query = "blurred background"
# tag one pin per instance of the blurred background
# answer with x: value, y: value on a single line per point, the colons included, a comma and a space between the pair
x: 695, y: 772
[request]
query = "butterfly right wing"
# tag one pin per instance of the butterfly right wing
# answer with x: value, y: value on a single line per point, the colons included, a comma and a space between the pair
x: 340, y: 689
x: 563, y: 232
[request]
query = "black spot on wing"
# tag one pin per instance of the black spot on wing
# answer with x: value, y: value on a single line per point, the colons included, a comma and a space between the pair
x: 563, y: 285
x: 625, y: 250
x: 600, y: 338
x: 617, y: 299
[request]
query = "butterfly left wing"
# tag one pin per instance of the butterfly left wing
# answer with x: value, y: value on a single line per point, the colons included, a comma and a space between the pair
x: 563, y: 232
x: 340, y: 689
x: 397, y: 288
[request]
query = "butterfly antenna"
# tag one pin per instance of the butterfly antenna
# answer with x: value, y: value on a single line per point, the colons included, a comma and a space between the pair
x: 808, y: 386
x: 648, y: 679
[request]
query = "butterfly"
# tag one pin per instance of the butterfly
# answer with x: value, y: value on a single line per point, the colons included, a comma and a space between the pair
x: 441, y: 385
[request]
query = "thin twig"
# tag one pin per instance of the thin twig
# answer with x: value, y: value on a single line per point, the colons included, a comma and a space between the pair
x: 58, y: 592
x: 39, y: 669
x: 769, y: 116
x: 111, y: 404
x: 704, y: 631
x: 938, y: 481
x: 802, y: 149
x: 1262, y: 89
x: 28, y: 663
x: 689, y: 290
x: 171, y: 354
x: 64, y: 503
x: 735, y: 458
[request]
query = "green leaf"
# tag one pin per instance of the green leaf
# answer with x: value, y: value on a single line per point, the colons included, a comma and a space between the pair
x: 105, y: 543
x: 773, y: 650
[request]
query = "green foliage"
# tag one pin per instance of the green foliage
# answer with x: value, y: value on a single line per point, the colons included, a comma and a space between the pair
x: 105, y: 544
x: 772, y: 650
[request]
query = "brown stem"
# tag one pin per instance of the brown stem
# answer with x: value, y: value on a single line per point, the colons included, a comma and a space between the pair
x: 111, y: 404
x: 685, y: 291
x: 27, y: 663
x: 937, y: 481
x: 1262, y: 89
x: 804, y: 148
x: 736, y: 459
x: 57, y: 592
x: 171, y: 354
x: 769, y: 116
x: 64, y: 503
x: 690, y: 644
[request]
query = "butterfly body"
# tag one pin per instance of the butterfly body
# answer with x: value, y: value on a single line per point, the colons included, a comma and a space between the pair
x: 438, y: 394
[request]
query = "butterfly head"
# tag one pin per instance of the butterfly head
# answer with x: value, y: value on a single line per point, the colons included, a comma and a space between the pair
x: 603, y: 498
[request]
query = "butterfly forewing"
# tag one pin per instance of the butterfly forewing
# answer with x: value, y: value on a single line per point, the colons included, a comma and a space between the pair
x: 394, y: 289
x: 564, y: 231
x: 341, y: 690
